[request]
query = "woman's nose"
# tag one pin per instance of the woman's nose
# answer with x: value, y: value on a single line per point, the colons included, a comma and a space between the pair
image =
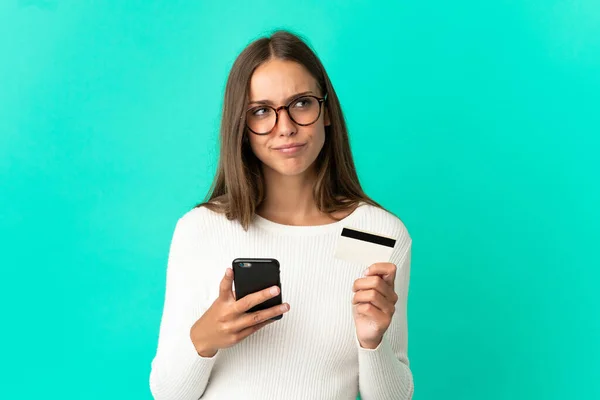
x: 285, y: 125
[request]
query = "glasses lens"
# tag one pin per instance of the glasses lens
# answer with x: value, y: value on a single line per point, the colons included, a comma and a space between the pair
x: 260, y: 119
x: 304, y: 110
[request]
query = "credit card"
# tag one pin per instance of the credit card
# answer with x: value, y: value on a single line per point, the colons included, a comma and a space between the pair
x: 362, y: 247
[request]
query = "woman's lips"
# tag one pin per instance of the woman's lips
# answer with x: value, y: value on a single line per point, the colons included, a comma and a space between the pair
x: 291, y: 150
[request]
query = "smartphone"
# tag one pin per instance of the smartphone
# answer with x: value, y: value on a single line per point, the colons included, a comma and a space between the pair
x: 251, y: 275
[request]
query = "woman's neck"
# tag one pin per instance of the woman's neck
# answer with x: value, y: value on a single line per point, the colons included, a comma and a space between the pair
x: 289, y: 200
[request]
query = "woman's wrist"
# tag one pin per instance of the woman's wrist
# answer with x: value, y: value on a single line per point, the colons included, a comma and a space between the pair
x: 210, y: 353
x: 202, y: 350
x: 370, y: 345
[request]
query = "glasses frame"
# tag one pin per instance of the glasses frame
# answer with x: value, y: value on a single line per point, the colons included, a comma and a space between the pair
x: 321, y: 100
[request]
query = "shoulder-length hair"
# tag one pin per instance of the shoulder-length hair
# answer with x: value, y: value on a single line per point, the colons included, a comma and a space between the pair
x: 238, y: 186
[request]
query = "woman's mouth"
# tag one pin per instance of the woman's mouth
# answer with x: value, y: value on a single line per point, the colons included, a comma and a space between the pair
x: 290, y: 149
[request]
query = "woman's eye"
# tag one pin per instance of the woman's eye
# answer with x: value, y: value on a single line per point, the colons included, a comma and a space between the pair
x: 302, y: 102
x: 259, y: 112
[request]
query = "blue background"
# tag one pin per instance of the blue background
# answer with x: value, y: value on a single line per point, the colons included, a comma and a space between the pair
x: 476, y: 122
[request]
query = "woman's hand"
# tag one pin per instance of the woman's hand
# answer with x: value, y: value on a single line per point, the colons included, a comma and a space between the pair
x: 374, y: 303
x: 226, y: 322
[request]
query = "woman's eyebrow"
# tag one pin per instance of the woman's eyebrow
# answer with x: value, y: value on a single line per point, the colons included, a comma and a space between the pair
x: 269, y: 102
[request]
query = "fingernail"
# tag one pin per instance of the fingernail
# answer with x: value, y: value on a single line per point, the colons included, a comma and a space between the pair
x: 274, y: 290
x: 366, y: 271
x: 284, y: 307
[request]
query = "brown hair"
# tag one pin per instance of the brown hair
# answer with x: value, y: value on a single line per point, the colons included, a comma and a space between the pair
x: 238, y: 186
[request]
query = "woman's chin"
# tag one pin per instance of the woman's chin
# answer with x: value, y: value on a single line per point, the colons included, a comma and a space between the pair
x: 291, y: 170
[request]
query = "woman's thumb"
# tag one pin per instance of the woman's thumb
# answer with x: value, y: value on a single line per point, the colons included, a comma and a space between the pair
x: 225, y: 287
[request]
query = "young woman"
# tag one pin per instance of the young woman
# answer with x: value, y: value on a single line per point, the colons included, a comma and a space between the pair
x: 285, y: 188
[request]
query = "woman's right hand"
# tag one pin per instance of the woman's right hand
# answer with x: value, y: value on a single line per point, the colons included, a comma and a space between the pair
x: 226, y: 322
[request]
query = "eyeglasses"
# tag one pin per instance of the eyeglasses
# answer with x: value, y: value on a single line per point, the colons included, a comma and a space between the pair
x: 303, y: 111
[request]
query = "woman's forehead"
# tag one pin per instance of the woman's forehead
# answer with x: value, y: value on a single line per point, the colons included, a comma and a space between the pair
x: 277, y: 80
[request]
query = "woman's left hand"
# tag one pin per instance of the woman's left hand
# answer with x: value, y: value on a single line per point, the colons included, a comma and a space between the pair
x: 374, y: 303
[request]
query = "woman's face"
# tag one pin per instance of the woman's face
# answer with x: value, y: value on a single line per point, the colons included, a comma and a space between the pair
x: 278, y: 82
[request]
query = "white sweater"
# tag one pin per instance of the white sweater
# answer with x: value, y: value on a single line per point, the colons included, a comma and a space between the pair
x: 312, y: 352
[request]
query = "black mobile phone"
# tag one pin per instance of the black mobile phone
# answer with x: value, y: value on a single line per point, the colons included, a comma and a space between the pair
x: 251, y: 275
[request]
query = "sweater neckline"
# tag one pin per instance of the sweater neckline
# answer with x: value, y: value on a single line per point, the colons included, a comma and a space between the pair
x: 308, y: 229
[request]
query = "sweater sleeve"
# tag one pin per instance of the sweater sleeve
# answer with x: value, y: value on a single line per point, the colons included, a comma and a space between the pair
x: 384, y: 372
x: 178, y: 372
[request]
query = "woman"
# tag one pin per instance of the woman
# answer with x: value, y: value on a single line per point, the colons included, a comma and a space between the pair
x: 285, y: 188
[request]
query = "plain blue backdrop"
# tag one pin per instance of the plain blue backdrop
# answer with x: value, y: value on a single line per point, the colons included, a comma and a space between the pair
x: 477, y: 123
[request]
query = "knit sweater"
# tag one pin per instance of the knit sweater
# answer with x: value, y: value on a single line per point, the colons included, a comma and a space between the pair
x: 313, y: 351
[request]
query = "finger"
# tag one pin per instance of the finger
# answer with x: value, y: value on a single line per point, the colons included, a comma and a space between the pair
x: 375, y: 298
x: 371, y: 311
x: 246, y: 303
x: 377, y: 283
x: 258, y: 317
x: 225, y: 287
x: 386, y: 270
x: 250, y: 330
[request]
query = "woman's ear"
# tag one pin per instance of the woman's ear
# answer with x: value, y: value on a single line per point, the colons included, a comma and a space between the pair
x: 326, y: 117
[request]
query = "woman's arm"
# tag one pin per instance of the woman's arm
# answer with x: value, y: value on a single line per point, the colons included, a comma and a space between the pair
x: 178, y: 372
x: 384, y: 372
